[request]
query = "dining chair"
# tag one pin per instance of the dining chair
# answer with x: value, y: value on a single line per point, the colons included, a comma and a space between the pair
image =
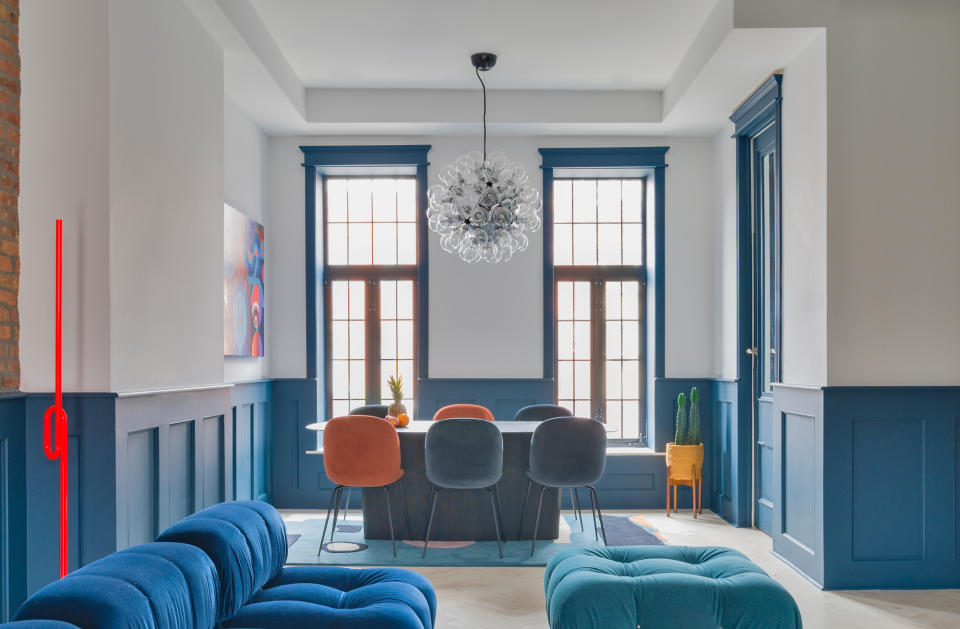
x: 362, y: 451
x: 474, y: 411
x: 374, y: 410
x: 464, y: 453
x: 538, y: 413
x: 566, y: 452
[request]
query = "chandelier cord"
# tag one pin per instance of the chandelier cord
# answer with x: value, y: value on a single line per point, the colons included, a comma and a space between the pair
x: 484, y: 86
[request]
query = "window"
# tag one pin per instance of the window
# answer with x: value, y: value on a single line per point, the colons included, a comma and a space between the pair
x: 599, y: 251
x: 370, y: 275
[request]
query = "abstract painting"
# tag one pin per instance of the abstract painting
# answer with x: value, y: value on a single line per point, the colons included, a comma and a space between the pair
x: 243, y: 296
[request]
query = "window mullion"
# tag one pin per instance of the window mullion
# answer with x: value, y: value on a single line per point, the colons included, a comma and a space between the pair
x: 597, y: 376
x: 372, y: 341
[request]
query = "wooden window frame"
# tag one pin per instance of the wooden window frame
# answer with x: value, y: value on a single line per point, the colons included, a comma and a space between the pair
x: 371, y: 275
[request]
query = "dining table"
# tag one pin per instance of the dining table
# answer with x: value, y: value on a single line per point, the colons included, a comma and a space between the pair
x: 461, y: 515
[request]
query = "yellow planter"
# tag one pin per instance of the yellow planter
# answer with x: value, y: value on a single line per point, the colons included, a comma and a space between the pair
x: 685, y: 462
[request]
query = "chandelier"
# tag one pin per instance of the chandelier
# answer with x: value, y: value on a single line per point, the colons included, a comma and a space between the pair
x: 483, y: 206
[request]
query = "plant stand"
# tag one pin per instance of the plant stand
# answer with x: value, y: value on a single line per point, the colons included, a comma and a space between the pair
x: 694, y: 480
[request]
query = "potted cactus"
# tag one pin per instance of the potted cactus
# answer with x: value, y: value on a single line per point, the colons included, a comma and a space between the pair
x: 685, y: 452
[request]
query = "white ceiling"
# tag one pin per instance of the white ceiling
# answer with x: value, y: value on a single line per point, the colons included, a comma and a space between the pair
x: 560, y: 44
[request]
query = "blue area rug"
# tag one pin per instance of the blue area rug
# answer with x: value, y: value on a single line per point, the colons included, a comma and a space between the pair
x: 349, y: 548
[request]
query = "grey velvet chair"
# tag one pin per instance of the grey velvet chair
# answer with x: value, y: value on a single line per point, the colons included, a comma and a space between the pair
x: 566, y: 452
x: 464, y: 454
x: 374, y: 410
x: 538, y: 413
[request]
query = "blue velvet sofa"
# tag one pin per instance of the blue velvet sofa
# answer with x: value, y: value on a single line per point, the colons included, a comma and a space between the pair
x: 224, y: 567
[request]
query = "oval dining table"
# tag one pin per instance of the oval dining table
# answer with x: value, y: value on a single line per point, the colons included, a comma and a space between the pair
x: 462, y: 515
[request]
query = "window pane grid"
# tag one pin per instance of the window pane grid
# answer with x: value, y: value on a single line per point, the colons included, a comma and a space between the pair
x: 370, y: 221
x: 598, y: 222
x: 598, y: 235
x: 397, y: 340
x: 347, y: 346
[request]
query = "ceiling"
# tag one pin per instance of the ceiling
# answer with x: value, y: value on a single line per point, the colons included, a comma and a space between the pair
x: 564, y: 44
x: 566, y: 67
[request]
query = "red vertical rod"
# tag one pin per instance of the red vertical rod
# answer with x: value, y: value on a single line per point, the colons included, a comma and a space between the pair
x: 56, y: 412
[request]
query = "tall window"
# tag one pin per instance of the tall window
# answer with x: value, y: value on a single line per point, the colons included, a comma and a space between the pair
x: 599, y: 253
x: 370, y: 226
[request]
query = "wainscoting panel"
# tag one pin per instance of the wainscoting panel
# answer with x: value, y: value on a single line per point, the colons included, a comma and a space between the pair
x: 503, y: 396
x: 797, y: 442
x: 298, y: 478
x: 890, y: 502
x: 212, y: 461
x: 632, y: 482
x: 764, y: 462
x: 251, y: 423
x: 725, y: 491
x: 182, y: 488
x: 141, y: 477
x: 877, y: 480
x: 13, y: 504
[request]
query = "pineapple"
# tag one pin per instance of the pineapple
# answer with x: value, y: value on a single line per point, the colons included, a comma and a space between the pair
x: 396, y: 390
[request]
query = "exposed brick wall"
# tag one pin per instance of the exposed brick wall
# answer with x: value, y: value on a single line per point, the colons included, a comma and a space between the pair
x: 9, y: 192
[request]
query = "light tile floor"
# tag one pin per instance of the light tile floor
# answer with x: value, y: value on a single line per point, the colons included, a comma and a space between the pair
x: 512, y: 598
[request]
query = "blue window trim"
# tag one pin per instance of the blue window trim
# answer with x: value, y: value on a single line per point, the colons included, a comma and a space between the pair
x: 316, y: 161
x: 652, y: 158
x: 761, y: 109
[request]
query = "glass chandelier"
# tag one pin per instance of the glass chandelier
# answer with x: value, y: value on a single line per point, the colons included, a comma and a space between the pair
x: 483, y: 206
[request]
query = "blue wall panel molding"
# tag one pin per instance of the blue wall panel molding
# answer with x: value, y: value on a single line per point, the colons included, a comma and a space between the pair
x: 503, y: 396
x: 891, y: 473
x: 731, y: 460
x: 13, y: 504
x: 252, y: 433
x: 798, y: 482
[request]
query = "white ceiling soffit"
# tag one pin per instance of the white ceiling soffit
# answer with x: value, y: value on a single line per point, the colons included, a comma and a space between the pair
x: 688, y: 88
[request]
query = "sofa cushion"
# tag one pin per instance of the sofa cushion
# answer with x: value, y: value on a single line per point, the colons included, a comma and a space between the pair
x: 321, y: 596
x: 664, y: 587
x: 158, y: 585
x: 37, y: 624
x: 246, y: 541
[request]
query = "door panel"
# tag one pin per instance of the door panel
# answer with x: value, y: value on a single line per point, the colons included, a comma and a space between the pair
x: 765, y: 474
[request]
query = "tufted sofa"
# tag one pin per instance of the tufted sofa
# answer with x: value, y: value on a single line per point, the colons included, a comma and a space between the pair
x: 224, y: 567
x: 663, y: 587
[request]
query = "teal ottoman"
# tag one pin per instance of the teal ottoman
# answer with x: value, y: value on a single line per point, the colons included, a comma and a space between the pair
x: 669, y: 587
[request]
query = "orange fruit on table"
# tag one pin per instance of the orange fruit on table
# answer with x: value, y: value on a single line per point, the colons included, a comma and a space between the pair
x: 393, y: 420
x: 403, y: 419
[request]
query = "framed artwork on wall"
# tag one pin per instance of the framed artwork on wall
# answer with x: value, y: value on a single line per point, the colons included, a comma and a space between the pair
x: 243, y: 290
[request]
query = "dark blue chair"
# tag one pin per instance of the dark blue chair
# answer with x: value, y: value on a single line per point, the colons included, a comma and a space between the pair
x: 374, y: 410
x: 566, y: 452
x: 540, y: 412
x: 464, y: 453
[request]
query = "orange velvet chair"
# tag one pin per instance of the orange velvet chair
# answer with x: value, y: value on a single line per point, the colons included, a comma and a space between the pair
x: 362, y: 451
x: 465, y: 411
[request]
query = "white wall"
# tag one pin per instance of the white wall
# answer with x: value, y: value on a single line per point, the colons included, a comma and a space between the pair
x: 893, y: 147
x: 166, y: 198
x: 487, y: 321
x: 244, y: 187
x: 726, y: 260
x: 804, y: 218
x: 64, y: 174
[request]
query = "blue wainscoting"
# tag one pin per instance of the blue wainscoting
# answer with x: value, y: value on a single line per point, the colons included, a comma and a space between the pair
x: 13, y: 503
x: 503, y: 396
x: 798, y: 479
x: 252, y: 439
x: 730, y: 451
x: 891, y: 509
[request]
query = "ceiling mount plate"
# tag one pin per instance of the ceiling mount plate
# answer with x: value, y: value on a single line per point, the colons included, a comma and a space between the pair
x: 483, y: 61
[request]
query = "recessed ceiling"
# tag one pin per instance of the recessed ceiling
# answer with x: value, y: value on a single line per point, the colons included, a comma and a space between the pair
x: 560, y: 44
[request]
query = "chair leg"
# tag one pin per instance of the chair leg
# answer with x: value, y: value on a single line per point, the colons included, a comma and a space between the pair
x: 346, y: 510
x: 576, y: 502
x: 333, y: 495
x: 536, y: 524
x: 496, y: 492
x: 595, y: 498
x: 433, y: 506
x: 403, y: 505
x: 336, y: 512
x: 593, y: 514
x: 393, y: 538
x: 496, y: 520
x: 523, y: 509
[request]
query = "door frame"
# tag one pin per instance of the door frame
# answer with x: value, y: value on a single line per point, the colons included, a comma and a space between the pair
x: 757, y: 112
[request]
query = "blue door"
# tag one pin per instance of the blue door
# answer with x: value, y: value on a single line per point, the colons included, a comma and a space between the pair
x: 765, y: 343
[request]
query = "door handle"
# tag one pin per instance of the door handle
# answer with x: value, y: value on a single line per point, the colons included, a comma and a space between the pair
x: 752, y: 351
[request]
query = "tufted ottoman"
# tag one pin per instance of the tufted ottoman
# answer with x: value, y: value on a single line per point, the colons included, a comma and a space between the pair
x: 669, y: 587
